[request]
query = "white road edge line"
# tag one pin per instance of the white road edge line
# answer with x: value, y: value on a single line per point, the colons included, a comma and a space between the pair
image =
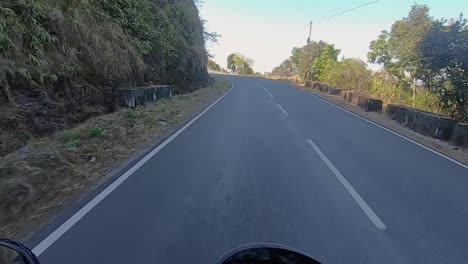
x: 364, y: 206
x: 62, y: 229
x: 391, y: 131
x: 282, y: 110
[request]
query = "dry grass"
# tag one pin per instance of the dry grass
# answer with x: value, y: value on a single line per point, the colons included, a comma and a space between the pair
x: 38, y: 179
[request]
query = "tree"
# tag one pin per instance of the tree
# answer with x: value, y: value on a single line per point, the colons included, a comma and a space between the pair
x: 286, y: 69
x: 297, y: 60
x: 247, y: 70
x: 399, y: 50
x: 406, y: 38
x: 295, y: 64
x: 381, y: 53
x: 239, y: 64
x: 444, y: 52
x: 311, y: 51
x: 215, y: 67
x: 328, y: 56
x: 433, y: 51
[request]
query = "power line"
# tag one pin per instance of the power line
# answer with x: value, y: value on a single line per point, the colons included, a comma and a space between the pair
x: 322, y: 20
x: 349, y: 10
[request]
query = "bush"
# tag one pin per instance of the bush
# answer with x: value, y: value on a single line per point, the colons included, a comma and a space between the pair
x: 348, y: 74
x: 392, y: 92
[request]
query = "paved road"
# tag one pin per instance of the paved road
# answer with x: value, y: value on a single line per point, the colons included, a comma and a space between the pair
x: 271, y: 163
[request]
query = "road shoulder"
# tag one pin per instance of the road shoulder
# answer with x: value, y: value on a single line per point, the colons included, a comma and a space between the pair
x: 456, y: 153
x: 54, y: 176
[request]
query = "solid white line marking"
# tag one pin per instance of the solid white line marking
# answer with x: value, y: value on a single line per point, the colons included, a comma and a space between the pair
x: 60, y: 231
x: 364, y: 206
x: 282, y: 110
x: 270, y: 94
x: 389, y: 130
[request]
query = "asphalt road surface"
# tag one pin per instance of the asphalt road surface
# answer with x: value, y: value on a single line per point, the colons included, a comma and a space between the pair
x: 271, y: 163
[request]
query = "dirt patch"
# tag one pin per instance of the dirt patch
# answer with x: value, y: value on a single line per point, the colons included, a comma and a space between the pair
x: 455, y: 152
x: 47, y: 174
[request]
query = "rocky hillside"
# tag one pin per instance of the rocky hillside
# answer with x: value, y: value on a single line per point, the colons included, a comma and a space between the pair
x: 61, y: 61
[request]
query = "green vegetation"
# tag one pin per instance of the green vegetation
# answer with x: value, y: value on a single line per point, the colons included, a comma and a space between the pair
x: 239, y: 64
x: 328, y: 56
x: 349, y: 74
x: 301, y: 58
x: 421, y: 49
x: 215, y: 67
x: 101, y: 42
x: 385, y: 87
x: 424, y: 64
x: 75, y: 138
x: 94, y: 132
x: 62, y: 61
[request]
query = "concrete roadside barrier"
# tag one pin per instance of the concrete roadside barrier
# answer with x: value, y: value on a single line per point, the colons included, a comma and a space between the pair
x: 369, y: 104
x: 323, y: 88
x: 335, y: 91
x: 397, y: 113
x: 351, y: 96
x: 138, y: 96
x: 425, y: 123
x: 163, y: 91
x: 460, y: 135
x: 151, y: 94
x: 126, y: 98
x: 429, y: 124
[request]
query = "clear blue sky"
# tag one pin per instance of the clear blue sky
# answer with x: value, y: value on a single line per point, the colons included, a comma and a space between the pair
x: 267, y: 30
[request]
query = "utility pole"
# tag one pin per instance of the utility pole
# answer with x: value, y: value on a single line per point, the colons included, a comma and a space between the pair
x: 306, y: 61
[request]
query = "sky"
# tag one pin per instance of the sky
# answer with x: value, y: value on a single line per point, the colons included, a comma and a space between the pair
x: 267, y: 30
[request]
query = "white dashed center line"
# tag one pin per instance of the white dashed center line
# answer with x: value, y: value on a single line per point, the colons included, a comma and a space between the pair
x: 282, y: 110
x: 364, y: 206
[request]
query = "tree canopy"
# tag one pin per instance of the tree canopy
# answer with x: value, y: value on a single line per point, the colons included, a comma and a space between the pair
x: 285, y: 69
x: 430, y: 55
x: 239, y: 64
x: 444, y: 51
x: 418, y: 47
x: 294, y: 66
x: 399, y: 50
x: 215, y: 66
x: 328, y: 56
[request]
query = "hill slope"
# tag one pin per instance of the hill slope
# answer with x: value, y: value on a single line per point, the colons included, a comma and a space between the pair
x: 61, y: 61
